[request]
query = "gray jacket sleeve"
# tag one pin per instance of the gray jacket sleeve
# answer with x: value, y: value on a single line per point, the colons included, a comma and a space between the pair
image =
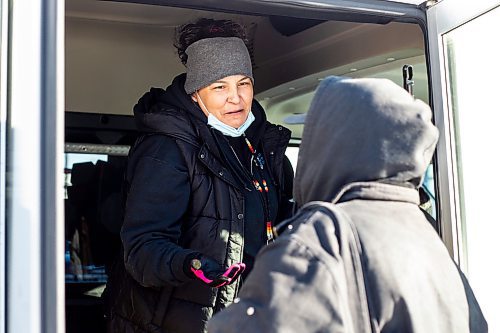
x: 297, y: 285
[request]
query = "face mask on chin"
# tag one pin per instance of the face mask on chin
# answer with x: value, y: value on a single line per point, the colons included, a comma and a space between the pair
x: 224, y: 128
x: 229, y: 130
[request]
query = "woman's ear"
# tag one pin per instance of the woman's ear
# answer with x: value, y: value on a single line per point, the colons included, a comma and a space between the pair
x: 194, y: 98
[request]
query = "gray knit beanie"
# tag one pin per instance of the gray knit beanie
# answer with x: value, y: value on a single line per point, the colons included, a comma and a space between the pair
x: 211, y: 59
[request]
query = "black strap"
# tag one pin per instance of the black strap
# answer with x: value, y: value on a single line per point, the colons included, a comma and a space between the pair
x: 350, y: 251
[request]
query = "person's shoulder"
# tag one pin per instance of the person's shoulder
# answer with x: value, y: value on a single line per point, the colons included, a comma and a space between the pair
x: 286, y: 226
x: 315, y: 216
x: 159, y: 101
x: 174, y: 113
x: 276, y: 134
x: 165, y: 119
x: 157, y: 146
x: 314, y: 229
x: 277, y: 128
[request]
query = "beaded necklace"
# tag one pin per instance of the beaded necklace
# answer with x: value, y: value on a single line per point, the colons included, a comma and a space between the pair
x: 258, y: 160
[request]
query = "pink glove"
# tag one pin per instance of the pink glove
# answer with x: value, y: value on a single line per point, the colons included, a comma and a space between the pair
x: 211, y: 273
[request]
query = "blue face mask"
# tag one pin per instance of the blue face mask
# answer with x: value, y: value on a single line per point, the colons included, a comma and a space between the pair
x: 224, y: 128
x: 229, y: 130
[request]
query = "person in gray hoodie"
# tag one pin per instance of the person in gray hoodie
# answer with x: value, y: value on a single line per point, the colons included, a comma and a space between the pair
x: 359, y: 255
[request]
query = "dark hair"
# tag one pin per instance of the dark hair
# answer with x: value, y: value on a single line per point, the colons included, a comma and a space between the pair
x: 189, y: 33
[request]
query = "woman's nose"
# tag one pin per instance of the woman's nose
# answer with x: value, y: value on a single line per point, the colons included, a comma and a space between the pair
x: 233, y: 96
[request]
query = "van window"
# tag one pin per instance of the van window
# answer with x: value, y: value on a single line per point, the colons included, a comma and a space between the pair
x: 292, y: 152
x: 294, y: 97
x: 79, y: 263
x: 92, y: 221
x: 95, y: 156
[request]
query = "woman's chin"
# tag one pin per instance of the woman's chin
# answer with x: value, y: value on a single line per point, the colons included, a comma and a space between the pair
x: 235, y: 123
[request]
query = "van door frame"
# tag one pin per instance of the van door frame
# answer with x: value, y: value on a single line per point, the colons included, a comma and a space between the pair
x: 3, y: 146
x: 34, y: 300
x: 442, y: 18
x: 34, y: 167
x: 343, y: 10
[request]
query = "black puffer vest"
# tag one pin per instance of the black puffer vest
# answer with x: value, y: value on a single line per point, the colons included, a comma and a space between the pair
x: 213, y: 225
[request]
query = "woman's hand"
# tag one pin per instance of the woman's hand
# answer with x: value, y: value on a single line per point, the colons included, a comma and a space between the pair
x: 211, y: 273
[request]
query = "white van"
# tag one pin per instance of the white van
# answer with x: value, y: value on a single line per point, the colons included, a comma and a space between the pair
x: 71, y: 71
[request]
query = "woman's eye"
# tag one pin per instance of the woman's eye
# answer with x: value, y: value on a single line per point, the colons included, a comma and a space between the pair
x: 218, y: 87
x: 244, y: 83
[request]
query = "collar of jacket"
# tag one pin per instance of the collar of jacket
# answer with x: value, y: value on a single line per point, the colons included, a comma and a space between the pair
x: 275, y: 141
x: 377, y: 191
x: 209, y: 154
x: 212, y: 163
x: 275, y: 136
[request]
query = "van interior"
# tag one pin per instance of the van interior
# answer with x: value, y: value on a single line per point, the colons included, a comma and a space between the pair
x: 116, y: 50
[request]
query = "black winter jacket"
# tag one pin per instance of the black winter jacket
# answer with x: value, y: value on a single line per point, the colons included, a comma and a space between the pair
x: 182, y: 198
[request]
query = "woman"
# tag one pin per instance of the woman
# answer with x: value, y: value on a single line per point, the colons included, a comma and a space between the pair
x: 206, y: 181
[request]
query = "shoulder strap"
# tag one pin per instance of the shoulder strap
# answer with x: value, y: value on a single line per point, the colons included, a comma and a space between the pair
x: 350, y: 251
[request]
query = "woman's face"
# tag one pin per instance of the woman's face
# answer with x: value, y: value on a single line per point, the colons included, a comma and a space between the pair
x: 228, y: 99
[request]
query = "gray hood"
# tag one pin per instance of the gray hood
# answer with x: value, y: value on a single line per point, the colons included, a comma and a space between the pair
x: 360, y: 130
